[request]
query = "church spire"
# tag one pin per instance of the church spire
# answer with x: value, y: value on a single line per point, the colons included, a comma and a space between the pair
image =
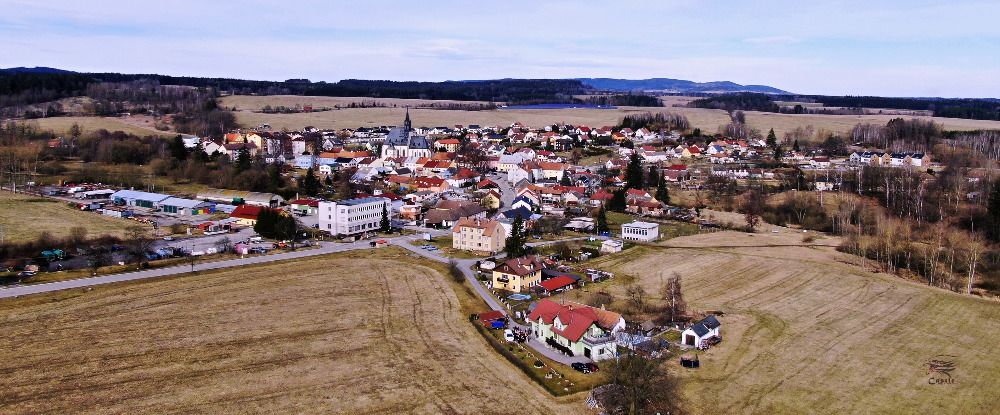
x: 406, y: 123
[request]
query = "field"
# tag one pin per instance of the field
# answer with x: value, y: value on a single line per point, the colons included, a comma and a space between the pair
x: 61, y: 125
x: 24, y: 218
x: 708, y: 120
x: 808, y: 331
x: 383, y: 333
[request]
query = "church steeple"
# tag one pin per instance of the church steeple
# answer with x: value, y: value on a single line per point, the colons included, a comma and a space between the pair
x: 406, y: 124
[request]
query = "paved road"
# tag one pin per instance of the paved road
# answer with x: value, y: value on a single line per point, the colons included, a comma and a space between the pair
x: 507, y: 192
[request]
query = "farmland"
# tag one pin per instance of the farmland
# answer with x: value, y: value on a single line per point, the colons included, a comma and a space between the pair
x: 808, y: 331
x: 707, y: 119
x: 24, y: 218
x: 384, y: 333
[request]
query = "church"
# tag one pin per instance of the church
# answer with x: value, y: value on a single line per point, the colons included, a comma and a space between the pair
x: 402, y: 143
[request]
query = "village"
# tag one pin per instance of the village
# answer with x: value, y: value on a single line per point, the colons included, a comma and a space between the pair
x: 472, y: 193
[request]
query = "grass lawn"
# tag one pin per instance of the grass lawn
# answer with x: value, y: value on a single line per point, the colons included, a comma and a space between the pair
x: 61, y: 125
x: 356, y: 332
x: 808, y: 331
x: 24, y: 218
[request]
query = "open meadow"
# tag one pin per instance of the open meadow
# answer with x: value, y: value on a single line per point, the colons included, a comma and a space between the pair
x: 807, y: 331
x: 707, y: 119
x: 24, y: 218
x: 356, y: 333
x: 136, y: 125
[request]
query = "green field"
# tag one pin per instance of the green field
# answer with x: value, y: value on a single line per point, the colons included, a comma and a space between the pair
x: 806, y: 331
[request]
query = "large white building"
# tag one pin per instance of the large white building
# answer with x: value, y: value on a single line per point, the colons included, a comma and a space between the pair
x: 640, y: 231
x: 354, y: 216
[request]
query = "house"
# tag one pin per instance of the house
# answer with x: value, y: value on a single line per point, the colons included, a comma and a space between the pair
x: 698, y: 334
x: 246, y: 215
x: 432, y: 184
x: 517, y: 274
x: 916, y: 159
x: 519, y: 173
x: 522, y: 202
x: 353, y: 216
x: 491, y: 200
x: 823, y: 162
x: 447, y: 212
x: 448, y: 144
x: 487, y: 184
x: 611, y: 246
x: 640, y: 231
x: 575, y: 329
x: 478, y: 235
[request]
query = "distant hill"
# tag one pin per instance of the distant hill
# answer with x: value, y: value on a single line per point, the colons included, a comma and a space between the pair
x: 675, y: 85
x: 37, y: 69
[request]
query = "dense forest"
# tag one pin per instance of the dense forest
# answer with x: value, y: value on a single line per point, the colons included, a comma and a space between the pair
x: 737, y: 102
x: 512, y: 91
x: 977, y: 109
x: 626, y: 100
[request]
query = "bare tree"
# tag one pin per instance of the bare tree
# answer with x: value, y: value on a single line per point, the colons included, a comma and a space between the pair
x: 671, y: 292
x: 974, y: 248
x: 636, y: 297
x: 224, y: 245
x: 643, y: 386
x: 752, y: 208
x: 137, y: 241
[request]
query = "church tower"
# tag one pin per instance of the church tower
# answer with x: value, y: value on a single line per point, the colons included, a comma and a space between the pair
x: 406, y: 124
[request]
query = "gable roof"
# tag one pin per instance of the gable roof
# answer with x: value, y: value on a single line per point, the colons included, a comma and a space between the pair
x: 520, y: 266
x: 702, y: 327
x: 488, y: 226
x: 557, y: 283
x: 576, y: 319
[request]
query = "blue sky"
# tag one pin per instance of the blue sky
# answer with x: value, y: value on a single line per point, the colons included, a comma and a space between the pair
x: 887, y: 48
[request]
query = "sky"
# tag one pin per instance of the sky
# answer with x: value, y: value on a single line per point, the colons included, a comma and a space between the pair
x: 910, y: 48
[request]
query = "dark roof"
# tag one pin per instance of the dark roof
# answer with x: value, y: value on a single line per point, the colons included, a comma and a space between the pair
x: 551, y: 273
x: 523, y: 212
x: 702, y: 327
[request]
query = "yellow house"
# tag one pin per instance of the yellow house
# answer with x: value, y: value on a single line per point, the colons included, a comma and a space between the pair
x: 491, y: 200
x: 517, y: 274
x: 478, y: 235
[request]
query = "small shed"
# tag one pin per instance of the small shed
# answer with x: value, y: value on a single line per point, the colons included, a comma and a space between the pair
x: 698, y: 334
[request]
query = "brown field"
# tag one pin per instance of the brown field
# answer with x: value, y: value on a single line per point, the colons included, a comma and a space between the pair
x: 708, y: 120
x: 807, y: 331
x: 24, y: 218
x: 381, y: 333
x: 60, y: 125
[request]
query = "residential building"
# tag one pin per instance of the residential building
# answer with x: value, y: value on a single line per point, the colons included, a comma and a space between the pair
x: 699, y: 332
x: 478, y: 235
x: 353, y: 216
x: 517, y: 274
x: 640, y: 231
x: 584, y: 330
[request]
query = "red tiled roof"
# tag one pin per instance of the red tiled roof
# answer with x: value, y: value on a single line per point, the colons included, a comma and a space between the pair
x: 576, y: 320
x: 491, y: 316
x: 557, y: 283
x: 308, y: 202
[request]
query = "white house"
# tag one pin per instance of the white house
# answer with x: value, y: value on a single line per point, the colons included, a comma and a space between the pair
x: 611, y: 246
x: 584, y: 330
x: 697, y: 334
x: 641, y: 231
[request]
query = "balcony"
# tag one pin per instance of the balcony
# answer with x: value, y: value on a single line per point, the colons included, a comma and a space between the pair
x: 597, y: 340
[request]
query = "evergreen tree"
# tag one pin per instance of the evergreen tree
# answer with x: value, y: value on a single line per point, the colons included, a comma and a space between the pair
x: 618, y: 200
x: 662, y: 193
x: 267, y: 220
x: 274, y: 179
x: 778, y: 153
x: 772, y: 140
x: 177, y: 149
x: 565, y: 180
x: 309, y: 183
x: 993, y: 210
x: 633, y: 173
x: 514, y: 247
x: 242, y: 163
x: 795, y: 145
x: 602, y: 221
x: 653, y: 178
x: 384, y: 224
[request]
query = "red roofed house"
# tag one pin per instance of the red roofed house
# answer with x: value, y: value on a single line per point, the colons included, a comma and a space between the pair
x: 247, y: 214
x: 433, y: 184
x: 306, y: 206
x: 487, y: 184
x: 579, y: 328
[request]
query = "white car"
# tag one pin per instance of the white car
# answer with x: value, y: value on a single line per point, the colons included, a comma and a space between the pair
x: 508, y: 335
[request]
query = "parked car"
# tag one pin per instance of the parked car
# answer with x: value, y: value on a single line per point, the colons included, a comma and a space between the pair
x: 26, y: 273
x: 580, y: 367
x: 592, y: 366
x: 168, y: 238
x: 508, y: 335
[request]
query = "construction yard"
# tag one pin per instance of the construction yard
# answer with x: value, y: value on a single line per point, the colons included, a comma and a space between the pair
x: 807, y: 330
x: 383, y: 333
